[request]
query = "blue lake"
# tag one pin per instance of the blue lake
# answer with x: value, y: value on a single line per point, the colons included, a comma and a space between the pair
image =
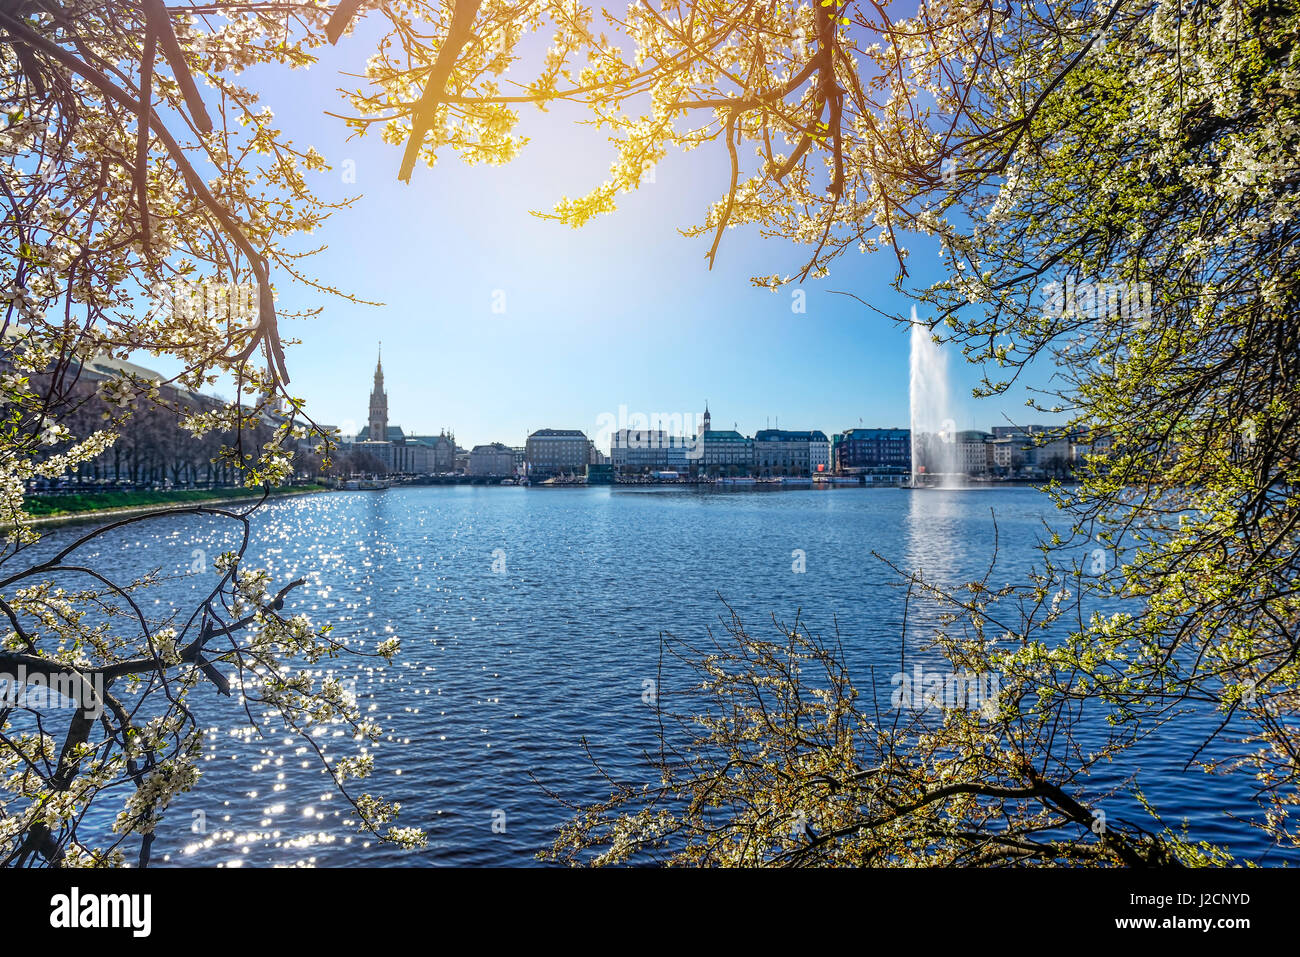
x: 530, y: 619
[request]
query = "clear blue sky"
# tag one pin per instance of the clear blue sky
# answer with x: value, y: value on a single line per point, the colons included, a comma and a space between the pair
x: 621, y: 312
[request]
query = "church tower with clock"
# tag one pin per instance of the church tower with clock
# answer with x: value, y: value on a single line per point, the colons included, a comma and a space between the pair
x: 379, y: 404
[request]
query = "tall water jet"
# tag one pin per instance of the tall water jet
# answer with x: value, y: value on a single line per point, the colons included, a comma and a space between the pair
x: 933, y: 429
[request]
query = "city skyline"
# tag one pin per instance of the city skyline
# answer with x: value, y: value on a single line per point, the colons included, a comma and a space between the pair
x: 668, y: 446
x: 621, y: 414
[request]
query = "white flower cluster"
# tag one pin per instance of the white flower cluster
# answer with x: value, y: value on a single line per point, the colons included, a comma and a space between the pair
x: 22, y: 299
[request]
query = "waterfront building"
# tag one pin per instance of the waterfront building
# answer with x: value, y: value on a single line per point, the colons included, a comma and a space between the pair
x: 551, y: 452
x: 819, y: 452
x: 381, y: 452
x: 721, y: 451
x: 783, y: 452
x: 161, y: 453
x: 726, y: 452
x: 635, y: 451
x: 1037, y: 450
x: 1002, y: 458
x: 973, y: 454
x: 410, y: 454
x: 881, y: 451
x: 442, y: 452
x: 492, y: 459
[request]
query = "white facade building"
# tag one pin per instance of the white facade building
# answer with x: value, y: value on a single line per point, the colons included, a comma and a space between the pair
x: 819, y: 453
x: 972, y: 452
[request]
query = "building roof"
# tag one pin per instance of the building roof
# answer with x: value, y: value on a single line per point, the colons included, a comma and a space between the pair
x: 890, y: 433
x: 724, y: 435
x: 103, y: 365
x: 558, y: 434
x: 393, y: 434
x: 786, y: 435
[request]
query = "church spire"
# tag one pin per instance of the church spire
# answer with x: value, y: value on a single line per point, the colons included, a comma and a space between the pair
x: 379, y: 403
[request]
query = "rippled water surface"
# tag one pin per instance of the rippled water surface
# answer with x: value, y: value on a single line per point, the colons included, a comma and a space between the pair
x: 503, y: 673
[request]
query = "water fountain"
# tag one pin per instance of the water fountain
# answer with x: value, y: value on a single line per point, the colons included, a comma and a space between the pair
x: 933, y: 430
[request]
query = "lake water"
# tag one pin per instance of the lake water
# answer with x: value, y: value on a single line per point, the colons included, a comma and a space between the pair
x: 530, y: 619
